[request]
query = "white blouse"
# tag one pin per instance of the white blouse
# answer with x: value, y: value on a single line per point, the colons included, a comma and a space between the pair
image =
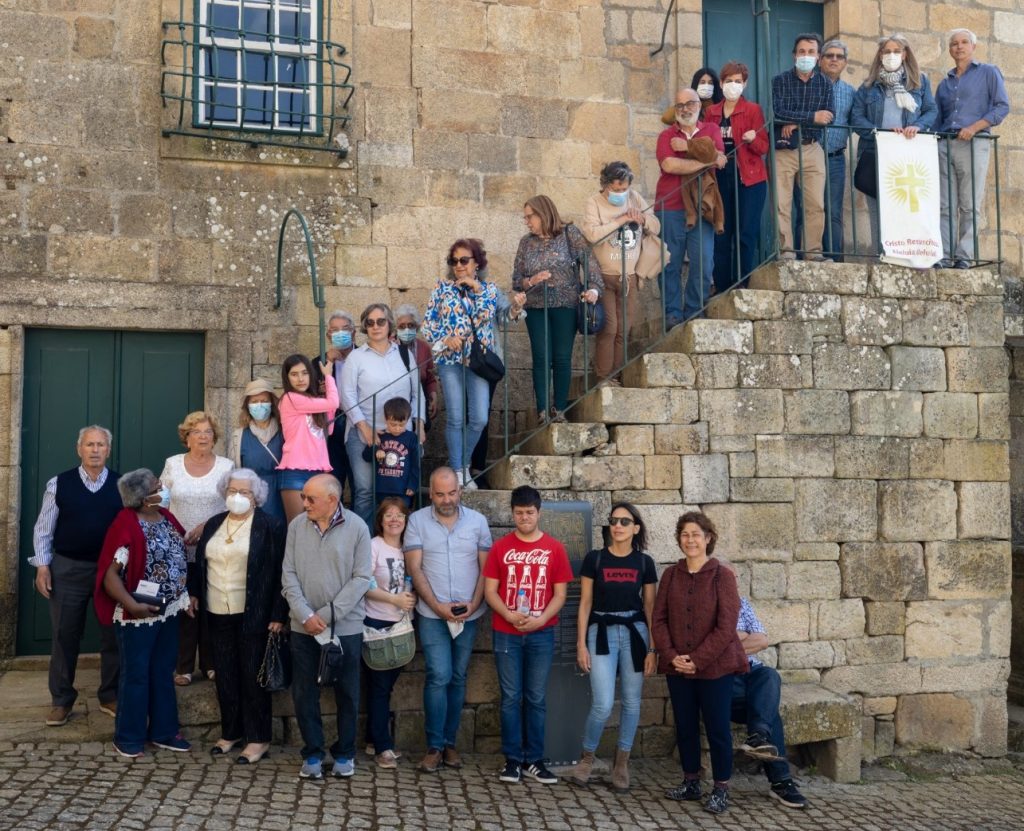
x: 194, y: 499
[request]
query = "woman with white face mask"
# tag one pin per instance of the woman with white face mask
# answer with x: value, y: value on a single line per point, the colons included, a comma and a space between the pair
x: 237, y: 575
x: 743, y: 182
x: 896, y: 96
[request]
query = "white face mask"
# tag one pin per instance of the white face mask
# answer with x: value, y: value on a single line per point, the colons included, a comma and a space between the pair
x: 892, y: 61
x: 732, y: 90
x: 705, y: 91
x: 238, y: 504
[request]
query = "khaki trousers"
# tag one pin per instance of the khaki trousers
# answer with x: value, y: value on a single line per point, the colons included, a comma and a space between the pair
x: 812, y: 186
x: 610, y: 340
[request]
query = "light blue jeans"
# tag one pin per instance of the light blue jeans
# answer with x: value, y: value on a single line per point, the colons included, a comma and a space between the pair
x: 467, y: 402
x: 362, y: 473
x: 602, y: 686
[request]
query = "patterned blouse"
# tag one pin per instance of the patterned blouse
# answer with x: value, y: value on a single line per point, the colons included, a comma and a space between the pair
x: 165, y: 566
x: 557, y: 255
x: 454, y: 312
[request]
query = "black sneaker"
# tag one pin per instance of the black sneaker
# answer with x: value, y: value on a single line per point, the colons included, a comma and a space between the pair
x: 512, y: 771
x: 786, y: 792
x: 689, y: 791
x: 718, y: 802
x: 758, y: 747
x: 536, y: 770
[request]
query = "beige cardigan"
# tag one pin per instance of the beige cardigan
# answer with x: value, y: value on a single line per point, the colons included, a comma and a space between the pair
x: 600, y: 219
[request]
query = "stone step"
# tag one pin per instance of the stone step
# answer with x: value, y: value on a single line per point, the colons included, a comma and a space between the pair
x: 704, y: 336
x: 747, y: 304
x: 799, y: 275
x: 659, y: 369
x: 542, y: 472
x: 627, y: 405
x: 566, y: 439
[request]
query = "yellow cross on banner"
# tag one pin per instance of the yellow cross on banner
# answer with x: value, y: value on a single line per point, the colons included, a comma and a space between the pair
x: 908, y: 185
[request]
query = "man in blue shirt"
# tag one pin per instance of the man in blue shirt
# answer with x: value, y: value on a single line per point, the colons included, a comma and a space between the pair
x: 833, y: 63
x: 446, y: 546
x: 802, y: 98
x: 971, y: 99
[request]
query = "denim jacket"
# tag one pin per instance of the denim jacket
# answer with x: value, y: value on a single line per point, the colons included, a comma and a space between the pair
x: 869, y: 105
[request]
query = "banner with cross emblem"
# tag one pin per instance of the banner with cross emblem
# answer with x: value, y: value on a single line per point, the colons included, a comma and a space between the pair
x: 908, y: 200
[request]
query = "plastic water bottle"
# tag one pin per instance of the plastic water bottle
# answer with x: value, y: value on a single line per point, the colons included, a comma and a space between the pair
x: 523, y: 603
x: 408, y: 584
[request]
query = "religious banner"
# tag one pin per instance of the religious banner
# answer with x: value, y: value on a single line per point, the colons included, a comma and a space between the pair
x: 908, y: 200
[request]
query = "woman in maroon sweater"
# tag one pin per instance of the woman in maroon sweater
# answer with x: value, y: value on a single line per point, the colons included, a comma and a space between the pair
x: 695, y: 616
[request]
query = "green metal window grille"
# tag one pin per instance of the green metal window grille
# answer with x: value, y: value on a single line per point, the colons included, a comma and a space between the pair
x: 257, y: 71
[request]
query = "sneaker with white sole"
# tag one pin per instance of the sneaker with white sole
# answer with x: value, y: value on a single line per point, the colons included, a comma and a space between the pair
x: 176, y: 743
x: 758, y: 747
x: 128, y: 754
x: 512, y: 772
x: 718, y: 802
x: 343, y: 768
x: 387, y: 759
x: 787, y: 793
x: 688, y: 791
x: 537, y: 771
x: 312, y: 768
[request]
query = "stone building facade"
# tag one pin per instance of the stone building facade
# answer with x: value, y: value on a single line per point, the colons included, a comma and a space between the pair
x: 461, y: 110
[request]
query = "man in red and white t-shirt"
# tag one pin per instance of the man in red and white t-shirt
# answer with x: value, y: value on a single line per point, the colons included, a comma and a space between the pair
x: 525, y: 581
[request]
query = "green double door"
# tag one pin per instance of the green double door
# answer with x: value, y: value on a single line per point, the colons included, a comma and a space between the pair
x: 137, y: 384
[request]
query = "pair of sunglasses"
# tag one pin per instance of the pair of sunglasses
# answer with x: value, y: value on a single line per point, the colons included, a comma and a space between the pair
x: 454, y: 261
x: 624, y: 521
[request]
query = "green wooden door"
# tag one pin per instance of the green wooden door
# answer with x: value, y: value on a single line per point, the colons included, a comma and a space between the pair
x: 139, y: 384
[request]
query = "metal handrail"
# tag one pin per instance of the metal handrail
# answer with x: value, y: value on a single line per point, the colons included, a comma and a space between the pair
x: 314, y: 283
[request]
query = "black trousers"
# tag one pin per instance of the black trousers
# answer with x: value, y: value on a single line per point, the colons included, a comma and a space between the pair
x: 192, y: 635
x: 245, y: 707
x: 70, y: 599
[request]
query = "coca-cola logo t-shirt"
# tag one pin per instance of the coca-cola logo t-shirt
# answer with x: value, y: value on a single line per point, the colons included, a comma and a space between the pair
x: 532, y: 567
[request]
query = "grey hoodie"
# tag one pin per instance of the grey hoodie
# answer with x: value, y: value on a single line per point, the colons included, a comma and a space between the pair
x: 319, y: 571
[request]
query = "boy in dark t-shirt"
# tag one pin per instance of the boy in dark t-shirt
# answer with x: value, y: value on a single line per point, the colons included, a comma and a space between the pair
x: 525, y: 580
x: 396, y: 454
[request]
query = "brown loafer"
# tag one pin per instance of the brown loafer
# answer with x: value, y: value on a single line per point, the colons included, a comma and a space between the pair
x: 110, y: 708
x: 431, y: 761
x: 452, y: 759
x: 58, y: 716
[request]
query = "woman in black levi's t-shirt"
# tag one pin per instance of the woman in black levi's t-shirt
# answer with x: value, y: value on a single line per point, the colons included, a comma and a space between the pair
x: 617, y: 588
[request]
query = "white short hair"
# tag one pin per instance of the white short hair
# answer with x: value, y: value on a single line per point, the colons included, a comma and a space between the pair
x: 259, y: 488
x: 99, y: 429
x: 410, y: 310
x: 968, y: 32
x: 341, y: 314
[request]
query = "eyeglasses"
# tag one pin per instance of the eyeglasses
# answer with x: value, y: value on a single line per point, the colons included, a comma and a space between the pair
x: 459, y: 260
x: 406, y: 328
x: 624, y: 521
x: 376, y: 321
x: 237, y: 492
x: 200, y: 432
x: 834, y: 56
x: 687, y: 105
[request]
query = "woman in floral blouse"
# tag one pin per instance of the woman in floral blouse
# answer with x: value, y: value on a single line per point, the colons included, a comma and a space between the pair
x: 461, y: 309
x: 545, y: 268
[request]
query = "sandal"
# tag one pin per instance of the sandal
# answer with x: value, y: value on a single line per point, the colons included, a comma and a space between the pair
x: 183, y: 679
x: 211, y: 674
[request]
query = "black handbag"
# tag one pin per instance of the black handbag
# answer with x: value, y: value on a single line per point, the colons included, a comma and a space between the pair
x: 865, y: 175
x: 275, y: 673
x: 590, y: 317
x: 485, y: 362
x: 332, y: 657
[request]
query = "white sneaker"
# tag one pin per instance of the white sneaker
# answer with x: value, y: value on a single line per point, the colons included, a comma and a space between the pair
x: 465, y: 480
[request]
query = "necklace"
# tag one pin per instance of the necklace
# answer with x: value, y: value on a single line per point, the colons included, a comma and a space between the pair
x: 230, y: 536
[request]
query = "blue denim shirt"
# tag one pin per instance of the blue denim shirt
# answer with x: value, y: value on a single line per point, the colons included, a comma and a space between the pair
x: 869, y: 108
x: 979, y: 93
x: 451, y: 559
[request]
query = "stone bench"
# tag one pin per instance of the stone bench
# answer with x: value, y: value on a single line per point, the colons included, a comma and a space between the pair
x: 826, y: 723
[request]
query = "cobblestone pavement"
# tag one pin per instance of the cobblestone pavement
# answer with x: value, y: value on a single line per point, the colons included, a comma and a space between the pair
x: 84, y: 786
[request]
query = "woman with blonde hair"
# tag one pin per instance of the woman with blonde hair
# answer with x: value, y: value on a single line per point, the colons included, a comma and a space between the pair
x: 191, y: 482
x: 546, y: 270
x: 895, y: 96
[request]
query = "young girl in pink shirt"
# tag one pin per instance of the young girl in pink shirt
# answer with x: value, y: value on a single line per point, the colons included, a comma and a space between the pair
x: 306, y: 422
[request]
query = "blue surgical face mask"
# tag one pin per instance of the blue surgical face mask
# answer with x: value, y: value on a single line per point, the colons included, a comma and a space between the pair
x: 618, y: 199
x: 342, y: 339
x: 806, y: 63
x: 260, y: 410
x: 407, y: 335
x: 165, y: 497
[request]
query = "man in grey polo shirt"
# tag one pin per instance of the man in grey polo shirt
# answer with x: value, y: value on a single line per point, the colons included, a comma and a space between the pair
x: 446, y: 546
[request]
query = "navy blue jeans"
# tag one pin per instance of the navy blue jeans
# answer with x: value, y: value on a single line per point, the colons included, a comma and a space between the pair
x: 379, y: 684
x: 755, y: 702
x: 446, y: 662
x: 741, y: 232
x: 147, y: 706
x: 306, y: 695
x: 836, y: 168
x: 694, y: 700
x: 673, y: 234
x: 700, y: 248
x: 523, y: 663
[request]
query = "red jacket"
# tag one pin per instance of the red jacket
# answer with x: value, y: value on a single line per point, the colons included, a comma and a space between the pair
x: 750, y: 157
x: 696, y: 615
x: 124, y: 530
